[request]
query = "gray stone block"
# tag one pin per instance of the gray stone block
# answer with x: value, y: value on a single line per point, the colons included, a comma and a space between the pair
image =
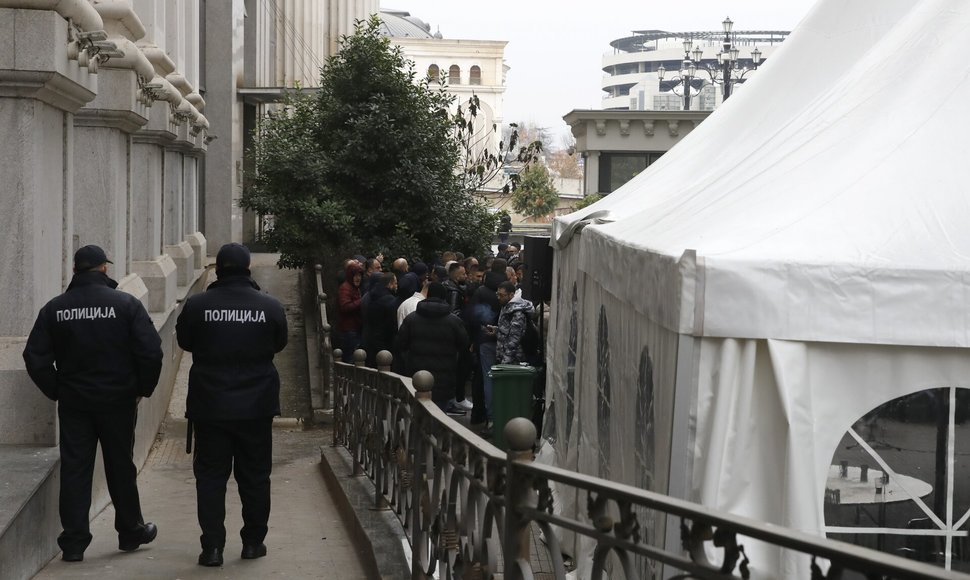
x: 198, y: 243
x: 31, y: 223
x: 182, y: 255
x: 27, y: 417
x: 134, y: 285
x: 160, y: 277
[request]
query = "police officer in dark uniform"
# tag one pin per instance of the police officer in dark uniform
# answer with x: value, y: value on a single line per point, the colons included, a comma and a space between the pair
x: 232, y: 330
x: 95, y: 351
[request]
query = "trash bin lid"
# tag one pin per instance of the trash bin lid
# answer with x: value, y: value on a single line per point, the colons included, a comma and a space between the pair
x: 512, y: 370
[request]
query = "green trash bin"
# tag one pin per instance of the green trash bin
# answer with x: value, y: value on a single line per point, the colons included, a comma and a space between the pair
x: 511, y: 397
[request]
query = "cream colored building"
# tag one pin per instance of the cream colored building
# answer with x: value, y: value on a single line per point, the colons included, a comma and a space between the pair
x: 468, y: 67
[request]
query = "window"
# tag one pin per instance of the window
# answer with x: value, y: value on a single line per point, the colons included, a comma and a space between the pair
x: 618, y: 168
x: 903, y: 466
x: 475, y: 75
x: 454, y: 75
x: 434, y: 73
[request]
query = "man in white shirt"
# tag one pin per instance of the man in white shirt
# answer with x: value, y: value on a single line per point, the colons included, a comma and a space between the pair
x: 411, y: 304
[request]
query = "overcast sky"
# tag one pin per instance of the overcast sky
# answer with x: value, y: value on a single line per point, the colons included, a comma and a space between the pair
x: 555, y: 47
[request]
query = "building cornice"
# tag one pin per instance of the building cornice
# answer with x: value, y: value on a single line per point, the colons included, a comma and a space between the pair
x: 49, y: 87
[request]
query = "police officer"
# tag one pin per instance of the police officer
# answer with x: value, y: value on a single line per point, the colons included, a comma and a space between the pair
x: 232, y: 330
x: 95, y: 351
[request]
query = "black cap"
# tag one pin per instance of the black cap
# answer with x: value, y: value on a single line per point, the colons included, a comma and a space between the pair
x: 232, y: 256
x: 89, y: 257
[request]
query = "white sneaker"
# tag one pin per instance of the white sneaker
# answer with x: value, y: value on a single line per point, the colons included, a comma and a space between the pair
x: 466, y: 404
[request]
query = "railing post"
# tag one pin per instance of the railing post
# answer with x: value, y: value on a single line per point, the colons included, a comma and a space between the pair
x: 520, y: 493
x: 360, y: 357
x: 337, y: 439
x: 325, y: 339
x: 384, y: 360
x: 423, y: 382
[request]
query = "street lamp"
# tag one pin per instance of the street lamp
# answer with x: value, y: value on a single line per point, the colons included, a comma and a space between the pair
x: 731, y: 71
x: 728, y: 71
x: 688, y: 72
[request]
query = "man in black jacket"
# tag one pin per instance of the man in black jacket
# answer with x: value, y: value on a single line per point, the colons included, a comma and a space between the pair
x: 233, y: 331
x: 95, y: 351
x: 380, y: 317
x: 432, y: 339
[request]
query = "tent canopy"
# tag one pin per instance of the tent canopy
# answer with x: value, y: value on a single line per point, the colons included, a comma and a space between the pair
x: 826, y: 201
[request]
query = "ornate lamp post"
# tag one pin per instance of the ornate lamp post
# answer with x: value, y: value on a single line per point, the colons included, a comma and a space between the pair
x: 727, y: 73
x: 731, y: 70
x: 688, y: 72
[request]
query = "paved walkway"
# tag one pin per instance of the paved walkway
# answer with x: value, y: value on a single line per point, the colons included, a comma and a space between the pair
x: 307, y: 538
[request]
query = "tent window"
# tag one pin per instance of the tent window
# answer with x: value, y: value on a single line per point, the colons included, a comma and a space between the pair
x: 433, y: 73
x: 902, y: 466
x: 454, y: 75
x: 604, y: 406
x: 619, y: 168
x: 475, y: 75
x: 644, y: 455
x: 571, y: 361
x: 645, y: 423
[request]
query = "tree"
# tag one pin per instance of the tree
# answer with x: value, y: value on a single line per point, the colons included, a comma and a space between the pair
x: 536, y: 195
x: 369, y: 163
x: 564, y: 164
x: 483, y: 167
x: 588, y: 200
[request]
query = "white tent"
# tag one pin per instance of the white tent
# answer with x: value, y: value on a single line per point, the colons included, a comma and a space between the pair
x: 799, y: 259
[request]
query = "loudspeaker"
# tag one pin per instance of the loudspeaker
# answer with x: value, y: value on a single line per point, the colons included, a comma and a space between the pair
x: 537, y: 285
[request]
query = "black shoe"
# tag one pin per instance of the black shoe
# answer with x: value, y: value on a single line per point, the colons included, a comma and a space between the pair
x: 253, y: 551
x: 72, y: 556
x: 211, y: 557
x: 145, y: 536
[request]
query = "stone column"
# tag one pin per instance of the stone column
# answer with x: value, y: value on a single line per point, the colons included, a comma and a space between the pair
x: 156, y: 269
x: 223, y: 175
x: 102, y: 172
x: 40, y: 89
x: 173, y: 206
x: 592, y: 172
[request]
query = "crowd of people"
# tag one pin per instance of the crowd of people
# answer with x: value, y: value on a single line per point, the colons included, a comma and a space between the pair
x: 454, y: 317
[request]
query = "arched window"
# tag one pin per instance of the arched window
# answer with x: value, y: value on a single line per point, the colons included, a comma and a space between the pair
x: 475, y: 75
x: 897, y: 480
x: 434, y: 73
x: 454, y: 75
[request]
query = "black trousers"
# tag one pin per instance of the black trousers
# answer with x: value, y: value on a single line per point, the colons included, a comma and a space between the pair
x: 245, y: 449
x: 478, y: 391
x: 81, y: 432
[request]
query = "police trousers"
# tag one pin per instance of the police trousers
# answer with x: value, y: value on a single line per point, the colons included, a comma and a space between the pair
x: 245, y: 449
x: 81, y: 432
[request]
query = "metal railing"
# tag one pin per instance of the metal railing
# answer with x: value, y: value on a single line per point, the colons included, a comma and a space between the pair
x: 468, y: 508
x: 324, y: 345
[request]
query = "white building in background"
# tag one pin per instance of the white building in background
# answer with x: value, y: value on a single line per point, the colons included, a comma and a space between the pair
x: 469, y: 67
x: 631, y: 81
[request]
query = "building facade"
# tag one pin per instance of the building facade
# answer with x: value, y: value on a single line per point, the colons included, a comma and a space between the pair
x: 125, y: 125
x: 467, y: 67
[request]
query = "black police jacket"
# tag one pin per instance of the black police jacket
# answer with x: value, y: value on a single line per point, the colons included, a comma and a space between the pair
x: 94, y: 346
x: 233, y: 331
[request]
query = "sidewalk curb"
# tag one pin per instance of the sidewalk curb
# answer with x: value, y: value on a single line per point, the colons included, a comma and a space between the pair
x: 377, y: 534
